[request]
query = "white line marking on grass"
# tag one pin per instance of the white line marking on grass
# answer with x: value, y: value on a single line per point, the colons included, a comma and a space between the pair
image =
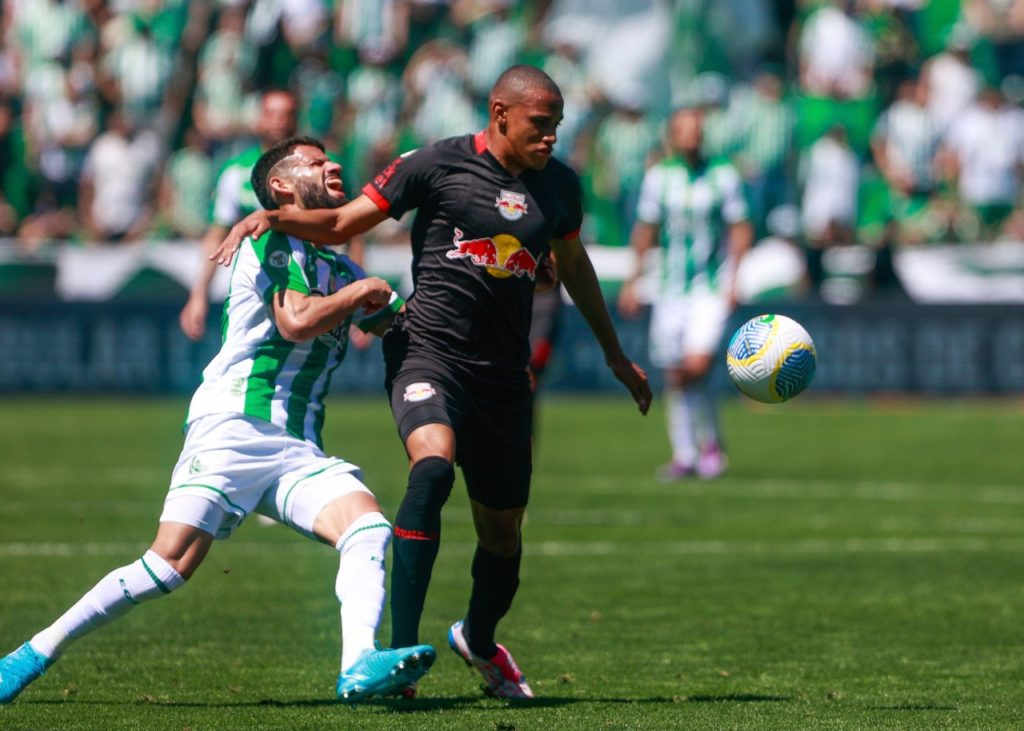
x: 815, y: 489
x: 42, y: 476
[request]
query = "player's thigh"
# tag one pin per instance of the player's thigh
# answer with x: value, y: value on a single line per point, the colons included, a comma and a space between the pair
x: 686, y: 327
x: 227, y: 462
x: 494, y: 448
x: 424, y: 393
x: 707, y: 325
x: 310, y: 482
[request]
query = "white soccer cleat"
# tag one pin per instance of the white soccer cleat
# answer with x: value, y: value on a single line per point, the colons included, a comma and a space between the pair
x: 503, y: 677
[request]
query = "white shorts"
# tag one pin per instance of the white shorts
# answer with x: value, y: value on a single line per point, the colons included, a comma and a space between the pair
x: 686, y: 325
x: 232, y: 465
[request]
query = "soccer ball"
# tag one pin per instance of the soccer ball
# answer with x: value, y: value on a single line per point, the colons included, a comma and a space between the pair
x: 771, y: 358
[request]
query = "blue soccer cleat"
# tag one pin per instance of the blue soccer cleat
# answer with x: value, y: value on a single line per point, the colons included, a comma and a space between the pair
x: 503, y: 677
x: 19, y: 669
x: 384, y: 672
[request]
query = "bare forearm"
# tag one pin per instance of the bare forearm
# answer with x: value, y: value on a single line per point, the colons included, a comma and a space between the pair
x: 207, y: 267
x: 317, y: 315
x: 328, y: 225
x: 581, y: 283
x: 321, y: 225
x: 643, y: 238
x: 301, y: 317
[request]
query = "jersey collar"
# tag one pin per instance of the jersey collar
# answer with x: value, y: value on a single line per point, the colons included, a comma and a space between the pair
x: 480, y: 141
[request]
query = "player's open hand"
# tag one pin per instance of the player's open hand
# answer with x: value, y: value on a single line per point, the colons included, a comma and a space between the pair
x: 254, y: 225
x: 633, y: 377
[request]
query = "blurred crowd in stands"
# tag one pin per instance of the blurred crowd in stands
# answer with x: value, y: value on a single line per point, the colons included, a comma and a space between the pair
x: 884, y: 123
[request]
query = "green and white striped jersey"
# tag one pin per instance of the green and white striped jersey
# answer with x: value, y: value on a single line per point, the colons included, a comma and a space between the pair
x: 257, y: 372
x: 234, y: 198
x: 693, y: 208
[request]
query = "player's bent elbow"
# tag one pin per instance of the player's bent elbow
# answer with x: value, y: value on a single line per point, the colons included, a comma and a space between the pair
x: 291, y: 334
x: 294, y: 329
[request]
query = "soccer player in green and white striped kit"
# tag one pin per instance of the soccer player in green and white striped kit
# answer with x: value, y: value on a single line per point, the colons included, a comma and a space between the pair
x: 253, y: 440
x: 696, y: 211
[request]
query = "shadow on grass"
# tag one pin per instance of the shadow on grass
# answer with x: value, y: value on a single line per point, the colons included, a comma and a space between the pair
x: 420, y: 705
x: 397, y: 704
x: 913, y: 707
x: 737, y: 698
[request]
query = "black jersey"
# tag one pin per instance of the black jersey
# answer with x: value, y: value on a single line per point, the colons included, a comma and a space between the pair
x: 477, y: 240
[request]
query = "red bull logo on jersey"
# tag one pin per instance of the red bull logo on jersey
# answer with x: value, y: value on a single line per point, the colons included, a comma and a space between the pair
x: 503, y: 255
x: 511, y: 206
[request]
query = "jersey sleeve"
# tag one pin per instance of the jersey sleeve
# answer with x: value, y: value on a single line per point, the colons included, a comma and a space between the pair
x: 572, y: 221
x: 649, y: 203
x: 406, y: 183
x: 281, y: 266
x: 226, y: 208
x: 735, y: 208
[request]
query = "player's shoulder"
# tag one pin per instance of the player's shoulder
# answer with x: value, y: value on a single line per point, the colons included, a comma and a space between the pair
x: 264, y: 247
x: 721, y: 163
x: 449, y: 150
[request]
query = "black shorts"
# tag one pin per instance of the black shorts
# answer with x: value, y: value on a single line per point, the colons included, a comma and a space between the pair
x: 492, y: 418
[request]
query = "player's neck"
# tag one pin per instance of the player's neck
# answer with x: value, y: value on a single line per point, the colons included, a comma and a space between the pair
x: 502, y: 153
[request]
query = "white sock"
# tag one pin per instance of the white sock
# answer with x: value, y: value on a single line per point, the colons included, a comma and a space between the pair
x: 114, y: 595
x: 360, y: 584
x: 682, y: 428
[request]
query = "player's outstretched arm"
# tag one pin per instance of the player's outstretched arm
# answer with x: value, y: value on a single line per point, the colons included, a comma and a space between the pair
x: 577, y: 274
x: 319, y: 226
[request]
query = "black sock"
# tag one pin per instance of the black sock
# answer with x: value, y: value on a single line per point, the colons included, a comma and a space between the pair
x: 495, y: 580
x: 417, y: 537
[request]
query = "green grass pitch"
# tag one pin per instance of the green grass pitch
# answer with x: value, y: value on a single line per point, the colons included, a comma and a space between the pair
x: 860, y: 567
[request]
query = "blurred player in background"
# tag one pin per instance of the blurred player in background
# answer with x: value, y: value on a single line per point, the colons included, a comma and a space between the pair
x: 234, y: 199
x: 490, y: 207
x: 253, y: 440
x: 545, y: 324
x: 696, y: 211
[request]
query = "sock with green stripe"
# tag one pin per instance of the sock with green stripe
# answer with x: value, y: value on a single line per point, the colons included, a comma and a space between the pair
x: 360, y: 583
x: 115, y: 594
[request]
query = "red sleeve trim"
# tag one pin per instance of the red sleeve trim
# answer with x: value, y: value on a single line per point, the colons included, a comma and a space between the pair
x: 373, y: 194
x: 572, y: 234
x: 480, y: 141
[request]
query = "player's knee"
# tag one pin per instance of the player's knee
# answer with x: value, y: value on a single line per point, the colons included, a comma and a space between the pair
x: 498, y: 532
x: 430, y: 483
x: 503, y: 545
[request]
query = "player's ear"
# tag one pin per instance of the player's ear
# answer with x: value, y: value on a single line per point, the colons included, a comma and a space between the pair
x: 280, y: 187
x: 499, y: 113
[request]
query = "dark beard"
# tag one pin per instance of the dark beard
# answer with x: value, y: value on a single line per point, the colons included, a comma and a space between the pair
x: 315, y: 195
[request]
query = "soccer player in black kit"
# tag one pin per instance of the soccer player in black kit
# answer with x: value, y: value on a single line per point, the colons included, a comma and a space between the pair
x: 490, y: 207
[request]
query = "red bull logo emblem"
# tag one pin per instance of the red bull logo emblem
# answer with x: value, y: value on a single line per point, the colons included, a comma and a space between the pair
x: 503, y: 255
x: 511, y: 206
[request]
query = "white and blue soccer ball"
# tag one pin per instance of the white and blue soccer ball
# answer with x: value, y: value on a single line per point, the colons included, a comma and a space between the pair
x: 771, y: 358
